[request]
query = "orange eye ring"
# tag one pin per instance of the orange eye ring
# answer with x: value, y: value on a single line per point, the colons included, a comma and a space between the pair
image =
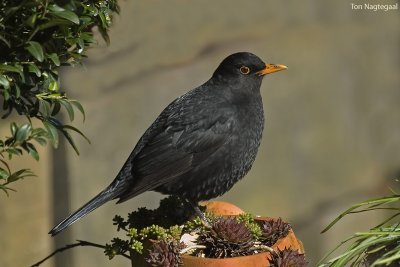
x: 244, y: 70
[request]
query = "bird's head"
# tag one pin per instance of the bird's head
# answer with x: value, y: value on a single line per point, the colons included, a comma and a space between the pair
x: 244, y: 67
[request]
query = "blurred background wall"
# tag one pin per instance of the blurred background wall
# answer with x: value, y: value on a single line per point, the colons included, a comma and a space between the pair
x: 332, y: 120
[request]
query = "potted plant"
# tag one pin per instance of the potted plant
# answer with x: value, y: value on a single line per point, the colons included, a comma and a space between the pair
x: 172, y: 235
x: 233, y: 238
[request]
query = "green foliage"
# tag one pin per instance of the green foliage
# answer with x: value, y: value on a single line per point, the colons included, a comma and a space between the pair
x: 194, y: 224
x: 380, y: 246
x: 138, y: 239
x: 251, y: 224
x: 118, y: 247
x: 172, y: 211
x: 140, y: 226
x: 37, y: 38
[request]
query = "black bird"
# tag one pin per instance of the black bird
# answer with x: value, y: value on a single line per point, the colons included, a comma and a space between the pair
x: 201, y: 144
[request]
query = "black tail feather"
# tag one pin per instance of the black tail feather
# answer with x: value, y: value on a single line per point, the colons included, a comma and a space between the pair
x: 93, y: 204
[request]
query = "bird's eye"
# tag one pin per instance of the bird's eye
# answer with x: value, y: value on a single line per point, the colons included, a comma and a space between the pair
x: 244, y: 70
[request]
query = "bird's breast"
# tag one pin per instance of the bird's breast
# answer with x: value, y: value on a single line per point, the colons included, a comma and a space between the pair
x: 247, y: 133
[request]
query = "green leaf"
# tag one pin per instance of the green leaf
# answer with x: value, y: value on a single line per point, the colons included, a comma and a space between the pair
x: 70, y: 141
x: 105, y: 19
x: 52, y: 133
x: 104, y: 34
x: 69, y: 108
x: 13, y: 177
x: 13, y: 128
x: 5, y: 188
x: 34, y: 69
x: 5, y: 41
x: 92, y: 9
x: 6, y: 96
x: 11, y: 68
x: 371, y: 202
x: 17, y: 91
x: 23, y: 133
x: 80, y: 42
x: 54, y: 22
x: 54, y: 86
x: 69, y: 138
x: 41, y: 141
x: 55, y: 8
x: 68, y: 15
x: 31, y: 20
x: 35, y: 49
x: 4, y: 81
x: 76, y: 130
x: 87, y: 37
x: 44, y: 107
x: 14, y: 151
x: 54, y: 57
x: 79, y: 107
x: 32, y: 151
x: 56, y: 108
x: 3, y: 173
x: 19, y: 175
x: 6, y: 165
x: 38, y: 132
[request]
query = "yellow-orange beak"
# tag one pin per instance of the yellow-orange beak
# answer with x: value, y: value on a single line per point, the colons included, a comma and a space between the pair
x: 271, y: 68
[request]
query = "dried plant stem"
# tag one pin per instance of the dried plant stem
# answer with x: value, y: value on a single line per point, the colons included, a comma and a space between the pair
x: 80, y: 243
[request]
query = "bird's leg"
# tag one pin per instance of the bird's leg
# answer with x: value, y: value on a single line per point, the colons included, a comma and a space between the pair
x: 201, y: 215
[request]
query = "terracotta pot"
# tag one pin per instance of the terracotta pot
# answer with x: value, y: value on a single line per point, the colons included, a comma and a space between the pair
x: 222, y: 208
x: 227, y: 209
x: 257, y: 260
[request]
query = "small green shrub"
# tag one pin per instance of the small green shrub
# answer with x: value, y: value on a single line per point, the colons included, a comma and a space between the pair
x: 37, y: 37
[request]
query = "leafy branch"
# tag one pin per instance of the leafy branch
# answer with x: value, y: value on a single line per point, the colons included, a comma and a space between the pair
x: 36, y: 39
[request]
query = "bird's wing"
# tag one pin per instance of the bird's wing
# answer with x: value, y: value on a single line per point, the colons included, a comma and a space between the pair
x: 185, y: 139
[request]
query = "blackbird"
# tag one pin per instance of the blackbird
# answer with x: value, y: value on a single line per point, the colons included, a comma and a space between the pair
x: 201, y: 144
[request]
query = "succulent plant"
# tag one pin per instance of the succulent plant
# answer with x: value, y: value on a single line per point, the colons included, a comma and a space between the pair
x: 251, y: 224
x: 273, y: 230
x: 165, y: 254
x: 157, y: 233
x: 227, y: 238
x: 287, y: 258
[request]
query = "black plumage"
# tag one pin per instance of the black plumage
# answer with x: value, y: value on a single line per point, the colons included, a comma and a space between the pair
x: 201, y: 144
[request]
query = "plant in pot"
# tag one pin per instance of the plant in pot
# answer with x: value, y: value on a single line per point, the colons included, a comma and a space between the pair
x: 173, y: 236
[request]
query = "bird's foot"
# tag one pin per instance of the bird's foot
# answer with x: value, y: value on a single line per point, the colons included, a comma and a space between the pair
x: 206, y: 222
